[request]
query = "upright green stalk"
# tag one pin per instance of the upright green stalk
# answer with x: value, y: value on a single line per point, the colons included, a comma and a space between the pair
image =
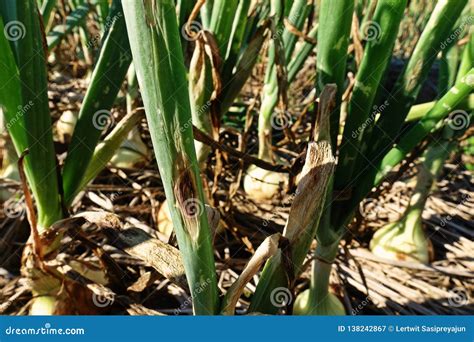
x: 280, y: 50
x: 260, y: 183
x: 233, y: 83
x: 404, y: 239
x: 206, y: 13
x: 411, y: 80
x: 223, y: 12
x: 449, y: 62
x: 333, y: 40
x: 103, y: 12
x: 467, y: 57
x: 158, y: 59
x: 335, y: 18
x: 296, y: 63
x: 298, y: 13
x: 184, y: 9
x: 381, y: 35
x: 83, y: 32
x: 403, y: 95
x: 24, y: 102
x: 243, y: 45
x: 94, y: 116
x: 236, y: 39
x: 408, y: 141
x: 369, y: 12
x: 271, y: 91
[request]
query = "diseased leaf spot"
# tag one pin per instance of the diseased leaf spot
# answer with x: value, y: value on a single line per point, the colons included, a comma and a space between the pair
x: 187, y: 198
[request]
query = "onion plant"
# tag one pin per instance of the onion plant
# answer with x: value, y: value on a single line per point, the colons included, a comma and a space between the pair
x: 422, y: 58
x: 410, y: 81
x: 24, y: 103
x: 172, y: 139
x: 235, y: 32
x: 372, y: 144
x: 260, y: 183
x: 159, y: 64
x: 24, y: 67
x: 405, y: 239
x: 333, y: 37
x: 357, y: 173
x: 191, y: 62
x: 386, y: 18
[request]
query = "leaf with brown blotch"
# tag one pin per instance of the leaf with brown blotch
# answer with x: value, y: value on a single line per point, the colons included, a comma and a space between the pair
x: 311, y: 192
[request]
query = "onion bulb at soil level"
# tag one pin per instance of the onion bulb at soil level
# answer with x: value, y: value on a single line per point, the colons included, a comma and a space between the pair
x: 330, y: 305
x: 261, y: 184
x: 405, y: 239
x: 318, y: 300
x: 402, y: 240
